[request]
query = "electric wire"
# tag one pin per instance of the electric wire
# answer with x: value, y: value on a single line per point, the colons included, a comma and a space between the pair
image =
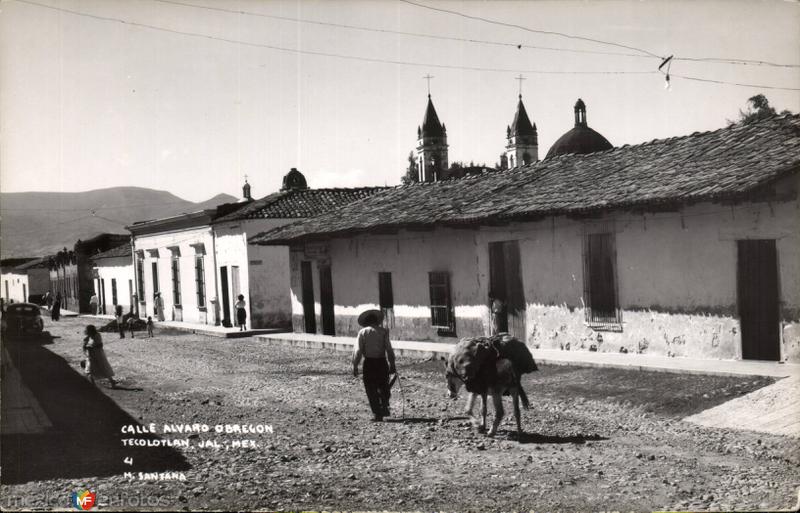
x: 329, y: 54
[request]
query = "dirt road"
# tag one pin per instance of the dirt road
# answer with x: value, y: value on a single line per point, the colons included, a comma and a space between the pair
x: 596, y: 439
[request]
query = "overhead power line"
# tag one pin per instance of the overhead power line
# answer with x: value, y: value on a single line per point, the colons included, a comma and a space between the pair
x: 646, y: 53
x: 334, y: 55
x: 407, y: 63
x: 528, y: 29
x: 400, y: 32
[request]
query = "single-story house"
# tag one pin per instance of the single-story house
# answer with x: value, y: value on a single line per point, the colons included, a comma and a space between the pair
x: 260, y: 273
x: 687, y: 246
x: 112, y: 275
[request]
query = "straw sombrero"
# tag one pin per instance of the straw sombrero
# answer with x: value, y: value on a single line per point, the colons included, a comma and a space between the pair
x: 368, y: 314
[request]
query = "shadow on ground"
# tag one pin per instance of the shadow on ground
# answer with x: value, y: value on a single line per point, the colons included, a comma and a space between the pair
x: 86, y: 438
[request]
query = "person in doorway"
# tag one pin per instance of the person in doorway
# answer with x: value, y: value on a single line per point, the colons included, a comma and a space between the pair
x: 241, y: 312
x: 93, y: 302
x: 97, y: 366
x: 55, y: 312
x: 158, y: 304
x: 373, y: 344
x: 120, y: 318
x: 498, y: 308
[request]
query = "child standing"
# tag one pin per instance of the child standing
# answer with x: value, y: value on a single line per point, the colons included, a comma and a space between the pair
x: 149, y: 326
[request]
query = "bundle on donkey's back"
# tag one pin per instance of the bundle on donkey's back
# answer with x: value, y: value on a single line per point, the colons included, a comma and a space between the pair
x: 490, y: 365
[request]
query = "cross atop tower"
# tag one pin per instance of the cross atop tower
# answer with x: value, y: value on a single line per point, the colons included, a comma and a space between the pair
x: 520, y: 78
x: 428, y: 77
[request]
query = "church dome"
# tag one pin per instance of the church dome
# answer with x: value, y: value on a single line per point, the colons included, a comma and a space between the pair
x: 294, y: 180
x: 581, y: 139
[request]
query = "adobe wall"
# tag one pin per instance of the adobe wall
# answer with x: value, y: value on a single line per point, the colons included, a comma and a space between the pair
x: 677, y: 277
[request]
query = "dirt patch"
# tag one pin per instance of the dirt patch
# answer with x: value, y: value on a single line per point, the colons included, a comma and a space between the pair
x: 609, y: 438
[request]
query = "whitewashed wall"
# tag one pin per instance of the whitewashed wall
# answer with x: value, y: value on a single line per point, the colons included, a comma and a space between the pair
x: 676, y: 278
x: 14, y: 287
x: 263, y: 271
x: 189, y: 312
x: 121, y: 270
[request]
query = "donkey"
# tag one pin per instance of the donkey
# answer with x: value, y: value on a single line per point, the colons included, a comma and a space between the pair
x: 477, y: 364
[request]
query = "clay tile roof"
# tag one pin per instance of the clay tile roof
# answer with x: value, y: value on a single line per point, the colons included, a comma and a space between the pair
x: 118, y: 252
x: 299, y: 203
x: 725, y: 163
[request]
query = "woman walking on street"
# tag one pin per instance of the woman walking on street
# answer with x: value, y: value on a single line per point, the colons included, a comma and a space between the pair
x: 241, y: 312
x: 97, y: 366
x: 55, y: 312
x: 374, y: 345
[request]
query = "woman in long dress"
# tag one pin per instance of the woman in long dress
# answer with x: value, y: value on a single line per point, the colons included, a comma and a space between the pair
x: 55, y: 312
x: 158, y: 304
x: 97, y: 366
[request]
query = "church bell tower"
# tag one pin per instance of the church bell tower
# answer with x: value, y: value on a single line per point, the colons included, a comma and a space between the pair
x: 431, y: 146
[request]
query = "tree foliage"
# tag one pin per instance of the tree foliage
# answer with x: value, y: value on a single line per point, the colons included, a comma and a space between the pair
x: 758, y: 107
x: 412, y: 171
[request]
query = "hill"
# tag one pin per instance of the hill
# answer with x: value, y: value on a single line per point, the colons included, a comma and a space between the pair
x: 40, y: 223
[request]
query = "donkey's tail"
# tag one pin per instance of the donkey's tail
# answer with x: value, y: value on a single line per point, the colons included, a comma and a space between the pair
x: 523, y: 397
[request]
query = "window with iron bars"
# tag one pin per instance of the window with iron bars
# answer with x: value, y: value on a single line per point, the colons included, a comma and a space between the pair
x: 200, y: 280
x: 176, y: 281
x: 600, y: 282
x: 442, y: 315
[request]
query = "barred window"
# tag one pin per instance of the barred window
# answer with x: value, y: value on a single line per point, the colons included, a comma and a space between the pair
x: 441, y: 303
x: 200, y: 280
x: 176, y: 281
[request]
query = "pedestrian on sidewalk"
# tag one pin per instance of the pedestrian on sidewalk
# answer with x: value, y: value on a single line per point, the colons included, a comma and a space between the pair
x: 55, y: 312
x: 241, y: 312
x: 93, y: 302
x: 97, y: 366
x: 374, y: 345
x: 158, y: 304
x: 149, y: 327
x: 120, y: 318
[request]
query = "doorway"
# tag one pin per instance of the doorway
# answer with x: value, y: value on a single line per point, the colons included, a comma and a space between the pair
x: 226, y: 300
x: 758, y: 299
x: 308, y: 297
x: 505, y: 289
x: 326, y: 300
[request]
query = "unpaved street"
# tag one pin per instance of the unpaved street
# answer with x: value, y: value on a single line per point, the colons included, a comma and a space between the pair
x: 596, y: 439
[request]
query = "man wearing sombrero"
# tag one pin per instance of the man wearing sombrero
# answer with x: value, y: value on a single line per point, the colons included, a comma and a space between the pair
x: 374, y: 345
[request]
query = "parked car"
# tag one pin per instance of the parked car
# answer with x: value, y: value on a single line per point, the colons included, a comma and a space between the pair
x: 22, y: 318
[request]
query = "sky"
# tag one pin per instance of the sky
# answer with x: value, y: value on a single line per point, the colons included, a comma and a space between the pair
x: 89, y: 102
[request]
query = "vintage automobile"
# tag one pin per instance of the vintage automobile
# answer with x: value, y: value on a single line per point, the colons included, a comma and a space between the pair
x: 21, y: 319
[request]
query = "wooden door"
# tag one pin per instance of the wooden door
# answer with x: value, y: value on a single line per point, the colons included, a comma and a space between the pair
x: 758, y: 301
x: 505, y: 285
x: 326, y: 300
x: 307, y: 285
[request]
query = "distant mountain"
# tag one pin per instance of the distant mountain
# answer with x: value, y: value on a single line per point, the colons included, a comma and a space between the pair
x: 41, y: 223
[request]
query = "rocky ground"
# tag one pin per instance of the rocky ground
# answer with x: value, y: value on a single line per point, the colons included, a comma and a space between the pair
x: 596, y: 439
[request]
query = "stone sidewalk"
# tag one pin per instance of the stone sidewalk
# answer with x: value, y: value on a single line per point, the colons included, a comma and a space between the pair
x: 557, y: 357
x: 773, y: 409
x: 22, y: 414
x: 202, y: 329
